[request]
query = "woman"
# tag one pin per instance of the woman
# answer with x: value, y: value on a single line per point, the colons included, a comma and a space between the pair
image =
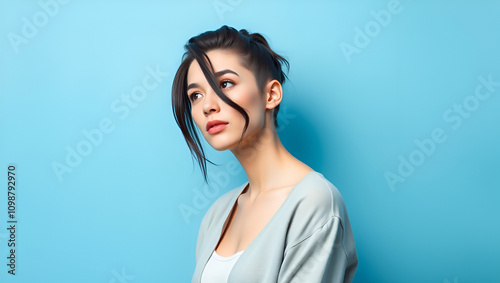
x: 287, y: 223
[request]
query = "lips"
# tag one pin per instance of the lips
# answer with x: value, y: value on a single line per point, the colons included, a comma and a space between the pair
x: 213, y: 123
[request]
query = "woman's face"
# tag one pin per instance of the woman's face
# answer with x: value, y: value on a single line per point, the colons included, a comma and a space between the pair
x: 239, y: 85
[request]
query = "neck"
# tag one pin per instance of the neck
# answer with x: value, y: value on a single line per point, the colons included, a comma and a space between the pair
x: 265, y: 161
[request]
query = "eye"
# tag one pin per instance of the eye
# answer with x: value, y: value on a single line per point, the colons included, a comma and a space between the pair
x: 224, y: 84
x: 192, y: 96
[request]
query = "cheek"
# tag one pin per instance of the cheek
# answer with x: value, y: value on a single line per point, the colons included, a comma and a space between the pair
x: 196, y: 118
x: 251, y: 101
x: 255, y: 108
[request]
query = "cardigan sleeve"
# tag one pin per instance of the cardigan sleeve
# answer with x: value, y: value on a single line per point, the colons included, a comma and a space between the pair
x: 320, y: 257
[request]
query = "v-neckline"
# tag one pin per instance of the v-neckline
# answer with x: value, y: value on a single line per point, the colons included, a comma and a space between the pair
x: 234, y: 200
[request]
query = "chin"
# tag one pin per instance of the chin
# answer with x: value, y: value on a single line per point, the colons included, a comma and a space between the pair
x: 220, y: 144
x: 220, y: 147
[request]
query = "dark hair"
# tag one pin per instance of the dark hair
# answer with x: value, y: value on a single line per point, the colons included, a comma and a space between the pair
x: 256, y: 56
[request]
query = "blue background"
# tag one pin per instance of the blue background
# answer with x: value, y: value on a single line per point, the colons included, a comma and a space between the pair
x: 116, y: 215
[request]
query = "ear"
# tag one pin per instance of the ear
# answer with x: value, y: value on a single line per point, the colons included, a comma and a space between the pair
x: 274, y: 94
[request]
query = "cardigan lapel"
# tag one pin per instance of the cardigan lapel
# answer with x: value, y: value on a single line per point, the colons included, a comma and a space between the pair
x: 215, y: 236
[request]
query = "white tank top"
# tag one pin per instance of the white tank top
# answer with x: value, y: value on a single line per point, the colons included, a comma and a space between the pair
x: 218, y: 267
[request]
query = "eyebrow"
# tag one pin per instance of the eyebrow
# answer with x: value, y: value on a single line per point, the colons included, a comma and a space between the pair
x: 225, y: 71
x: 217, y: 74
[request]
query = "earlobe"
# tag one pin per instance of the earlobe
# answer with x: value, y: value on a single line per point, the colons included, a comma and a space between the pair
x: 274, y: 94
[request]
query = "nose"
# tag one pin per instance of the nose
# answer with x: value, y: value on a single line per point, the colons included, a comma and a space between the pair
x: 211, y: 103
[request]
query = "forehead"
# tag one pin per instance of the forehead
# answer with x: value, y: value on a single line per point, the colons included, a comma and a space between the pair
x: 221, y: 59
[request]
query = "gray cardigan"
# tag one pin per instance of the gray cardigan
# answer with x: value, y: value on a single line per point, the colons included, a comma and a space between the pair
x: 308, y: 240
